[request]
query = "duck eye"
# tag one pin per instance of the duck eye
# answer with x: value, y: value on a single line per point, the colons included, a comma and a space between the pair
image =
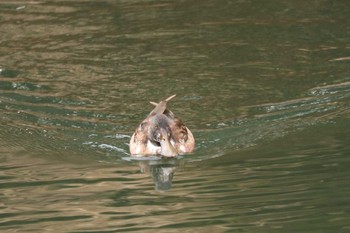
x: 142, y: 125
x: 159, y: 137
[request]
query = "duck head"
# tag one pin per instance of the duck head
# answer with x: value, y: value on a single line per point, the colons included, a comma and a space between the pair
x: 160, y: 134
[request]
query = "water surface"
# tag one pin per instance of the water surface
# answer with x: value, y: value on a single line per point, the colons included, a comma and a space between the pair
x: 264, y: 86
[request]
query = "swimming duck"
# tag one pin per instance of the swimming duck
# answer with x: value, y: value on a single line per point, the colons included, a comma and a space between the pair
x: 161, y: 133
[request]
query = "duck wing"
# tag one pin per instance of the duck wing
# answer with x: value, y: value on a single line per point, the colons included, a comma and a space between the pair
x: 182, y: 136
x: 141, y: 143
x: 138, y: 141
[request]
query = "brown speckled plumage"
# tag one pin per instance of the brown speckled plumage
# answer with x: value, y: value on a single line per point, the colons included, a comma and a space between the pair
x: 161, y: 133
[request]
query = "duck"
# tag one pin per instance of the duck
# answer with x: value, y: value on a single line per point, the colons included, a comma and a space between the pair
x: 161, y: 133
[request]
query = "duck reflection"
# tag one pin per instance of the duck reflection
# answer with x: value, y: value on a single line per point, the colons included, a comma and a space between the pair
x: 162, y: 172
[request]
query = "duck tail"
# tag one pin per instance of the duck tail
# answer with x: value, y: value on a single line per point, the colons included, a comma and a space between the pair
x: 153, y: 103
x: 161, y: 106
x: 169, y: 98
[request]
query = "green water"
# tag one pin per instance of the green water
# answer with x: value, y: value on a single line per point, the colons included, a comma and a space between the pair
x: 263, y: 85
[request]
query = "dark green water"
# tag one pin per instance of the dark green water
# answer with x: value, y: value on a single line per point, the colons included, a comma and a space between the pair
x: 263, y: 85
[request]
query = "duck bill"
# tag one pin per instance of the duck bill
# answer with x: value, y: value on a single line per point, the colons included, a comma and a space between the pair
x: 167, y: 149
